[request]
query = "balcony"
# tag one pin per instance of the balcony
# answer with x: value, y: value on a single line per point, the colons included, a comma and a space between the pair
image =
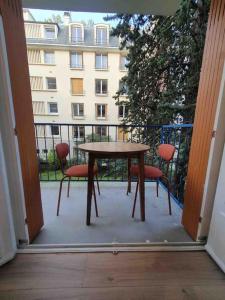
x: 114, y: 224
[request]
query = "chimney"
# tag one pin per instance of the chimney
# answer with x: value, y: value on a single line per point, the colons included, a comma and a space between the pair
x: 66, y: 18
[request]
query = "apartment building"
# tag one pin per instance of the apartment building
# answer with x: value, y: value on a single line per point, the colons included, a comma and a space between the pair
x: 75, y: 71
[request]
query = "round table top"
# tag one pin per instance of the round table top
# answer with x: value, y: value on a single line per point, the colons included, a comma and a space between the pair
x: 113, y: 147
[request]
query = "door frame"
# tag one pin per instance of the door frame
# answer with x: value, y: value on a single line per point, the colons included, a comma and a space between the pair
x: 10, y: 145
x: 214, y: 162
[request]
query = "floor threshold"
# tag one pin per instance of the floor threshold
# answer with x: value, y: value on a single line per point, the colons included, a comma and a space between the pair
x: 112, y: 247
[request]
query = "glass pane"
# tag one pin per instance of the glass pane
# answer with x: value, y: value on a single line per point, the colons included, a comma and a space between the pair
x: 76, y: 60
x: 76, y: 34
x: 121, y: 111
x: 55, y: 129
x: 98, y: 110
x: 103, y: 110
x: 49, y: 57
x: 101, y: 35
x: 81, y: 109
x: 51, y: 83
x: 104, y: 61
x: 49, y: 32
x: 98, y: 61
x: 98, y: 86
x: 104, y: 86
x: 53, y: 107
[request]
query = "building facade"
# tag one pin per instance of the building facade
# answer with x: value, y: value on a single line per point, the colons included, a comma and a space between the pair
x: 75, y: 71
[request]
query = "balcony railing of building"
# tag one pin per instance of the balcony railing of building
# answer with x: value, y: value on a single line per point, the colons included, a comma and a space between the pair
x: 50, y: 134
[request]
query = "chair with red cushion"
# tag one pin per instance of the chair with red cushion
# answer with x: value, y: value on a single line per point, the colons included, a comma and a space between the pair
x: 62, y: 150
x: 166, y: 153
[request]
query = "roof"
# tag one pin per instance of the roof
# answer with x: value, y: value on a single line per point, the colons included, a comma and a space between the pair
x: 63, y: 38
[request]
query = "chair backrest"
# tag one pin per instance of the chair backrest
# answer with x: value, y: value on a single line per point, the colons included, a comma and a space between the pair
x: 62, y: 150
x: 166, y: 151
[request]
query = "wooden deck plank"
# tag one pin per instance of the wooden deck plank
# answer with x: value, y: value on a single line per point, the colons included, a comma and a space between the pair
x: 152, y: 275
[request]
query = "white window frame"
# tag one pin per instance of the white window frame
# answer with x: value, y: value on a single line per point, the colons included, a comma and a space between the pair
x: 48, y: 51
x: 124, y: 111
x: 46, y: 82
x: 101, y: 55
x: 101, y: 93
x: 49, y: 111
x: 78, y: 131
x: 79, y: 53
x: 50, y: 130
x: 79, y: 115
x: 101, y: 117
x: 49, y: 26
x: 80, y: 25
x: 101, y: 25
x: 101, y: 128
x: 124, y: 68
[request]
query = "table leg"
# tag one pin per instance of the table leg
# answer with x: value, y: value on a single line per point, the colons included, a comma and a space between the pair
x: 142, y: 186
x: 128, y: 175
x: 91, y: 161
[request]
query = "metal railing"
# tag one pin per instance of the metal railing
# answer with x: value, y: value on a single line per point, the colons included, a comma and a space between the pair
x: 113, y: 170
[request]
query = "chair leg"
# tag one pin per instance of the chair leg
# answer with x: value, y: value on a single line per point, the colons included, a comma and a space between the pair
x: 96, y: 207
x: 68, y: 188
x: 135, y: 198
x: 59, y: 198
x: 157, y: 188
x: 169, y: 200
x: 97, y: 184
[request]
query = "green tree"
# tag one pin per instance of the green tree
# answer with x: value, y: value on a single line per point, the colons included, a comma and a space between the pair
x: 164, y: 62
x: 54, y: 19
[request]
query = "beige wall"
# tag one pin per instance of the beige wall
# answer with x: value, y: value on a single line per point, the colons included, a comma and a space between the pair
x: 62, y: 71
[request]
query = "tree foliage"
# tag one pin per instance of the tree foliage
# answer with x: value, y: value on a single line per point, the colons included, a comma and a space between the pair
x: 164, y: 62
x: 54, y: 19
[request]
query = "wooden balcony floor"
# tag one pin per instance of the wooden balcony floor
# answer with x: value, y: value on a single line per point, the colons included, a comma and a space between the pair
x: 152, y: 275
x: 114, y: 223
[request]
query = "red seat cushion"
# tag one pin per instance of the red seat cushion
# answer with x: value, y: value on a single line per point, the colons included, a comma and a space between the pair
x: 79, y: 171
x: 150, y: 172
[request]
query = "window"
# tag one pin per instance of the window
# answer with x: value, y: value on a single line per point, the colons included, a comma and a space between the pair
x: 38, y: 107
x: 123, y: 88
x: 54, y: 129
x: 101, y: 35
x: 77, y: 109
x: 101, y: 130
x: 36, y: 82
x: 51, y: 83
x: 76, y: 34
x: 53, y: 108
x: 77, y: 86
x: 49, y: 32
x: 123, y: 111
x: 101, y: 86
x: 123, y: 62
x: 101, y: 61
x: 76, y: 60
x: 101, y: 111
x: 49, y: 57
x: 34, y: 56
x: 78, y: 132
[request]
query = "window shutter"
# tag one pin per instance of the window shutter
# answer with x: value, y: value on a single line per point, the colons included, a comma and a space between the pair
x: 77, y: 86
x: 34, y: 56
x: 38, y: 107
x: 33, y: 30
x: 36, y: 83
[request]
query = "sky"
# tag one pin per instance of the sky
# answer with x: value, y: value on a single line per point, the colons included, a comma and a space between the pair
x: 41, y: 15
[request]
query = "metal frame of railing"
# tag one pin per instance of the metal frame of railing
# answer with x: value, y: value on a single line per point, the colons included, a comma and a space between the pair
x: 115, y: 170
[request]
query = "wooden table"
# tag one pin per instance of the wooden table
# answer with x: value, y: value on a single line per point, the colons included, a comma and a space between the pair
x: 102, y: 150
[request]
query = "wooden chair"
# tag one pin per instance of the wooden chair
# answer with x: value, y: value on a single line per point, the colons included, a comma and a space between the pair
x: 165, y: 153
x: 62, y: 150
